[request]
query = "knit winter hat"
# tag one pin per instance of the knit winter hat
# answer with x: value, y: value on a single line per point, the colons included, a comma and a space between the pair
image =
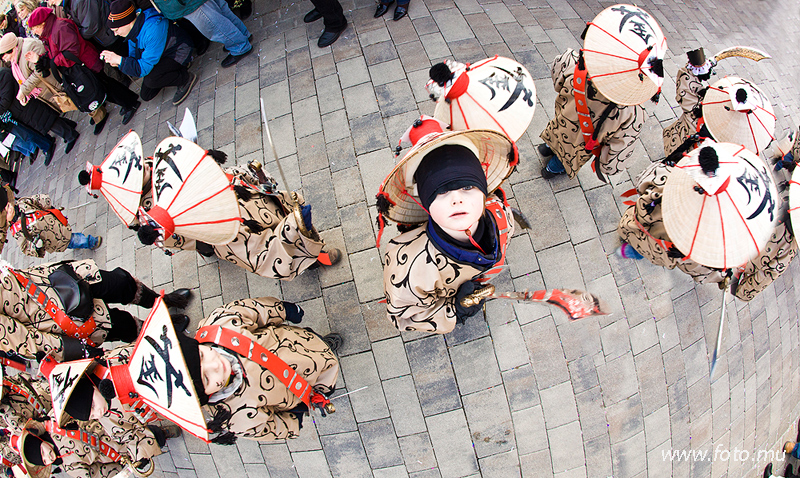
x: 122, y: 13
x: 39, y: 15
x: 7, y: 43
x: 445, y: 168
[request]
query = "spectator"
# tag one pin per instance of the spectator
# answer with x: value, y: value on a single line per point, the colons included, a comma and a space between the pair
x: 24, y: 9
x: 90, y: 17
x: 28, y: 142
x: 399, y: 11
x: 215, y: 20
x: 158, y: 51
x: 61, y: 36
x: 333, y: 16
x: 35, y: 115
x: 9, y: 23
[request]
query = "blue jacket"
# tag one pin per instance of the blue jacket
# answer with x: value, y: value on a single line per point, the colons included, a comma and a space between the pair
x: 146, y: 43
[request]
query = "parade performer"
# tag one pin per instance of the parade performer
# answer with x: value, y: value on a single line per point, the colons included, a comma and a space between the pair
x: 257, y: 374
x: 62, y: 308
x: 690, y: 88
x: 40, y: 227
x: 259, y: 229
x: 22, y: 398
x: 446, y: 190
x: 598, y: 112
x: 712, y: 212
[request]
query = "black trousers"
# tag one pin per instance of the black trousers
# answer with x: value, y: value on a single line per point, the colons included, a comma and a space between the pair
x: 167, y: 72
x: 116, y: 92
x: 63, y: 129
x: 332, y: 14
x: 117, y: 287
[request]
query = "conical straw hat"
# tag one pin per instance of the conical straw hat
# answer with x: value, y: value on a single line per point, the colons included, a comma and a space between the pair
x: 157, y: 374
x: 737, y: 111
x: 496, y: 93
x: 623, y: 50
x: 32, y: 427
x: 498, y: 156
x: 722, y: 221
x: 63, y: 378
x: 192, y: 196
x: 119, y: 177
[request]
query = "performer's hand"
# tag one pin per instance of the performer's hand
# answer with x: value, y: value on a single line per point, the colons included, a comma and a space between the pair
x: 294, y: 313
x: 464, y: 290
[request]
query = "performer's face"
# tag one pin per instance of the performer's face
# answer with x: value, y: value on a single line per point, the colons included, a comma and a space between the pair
x: 458, y: 210
x: 48, y: 453
x: 215, y: 369
x: 99, y: 405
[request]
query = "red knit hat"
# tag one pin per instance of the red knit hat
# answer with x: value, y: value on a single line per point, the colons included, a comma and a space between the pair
x: 38, y: 16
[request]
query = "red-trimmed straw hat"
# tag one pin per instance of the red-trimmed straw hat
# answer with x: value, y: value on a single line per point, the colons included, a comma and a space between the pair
x: 737, y: 111
x: 119, y: 178
x: 32, y: 427
x: 495, y: 93
x: 623, y: 50
x: 725, y: 220
x: 398, y: 200
x: 192, y: 196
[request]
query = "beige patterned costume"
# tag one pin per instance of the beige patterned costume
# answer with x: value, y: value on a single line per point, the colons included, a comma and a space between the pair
x: 15, y: 408
x: 687, y: 95
x: 647, y: 239
x: 55, y: 234
x: 4, y: 222
x: 260, y: 407
x: 563, y: 134
x: 84, y: 461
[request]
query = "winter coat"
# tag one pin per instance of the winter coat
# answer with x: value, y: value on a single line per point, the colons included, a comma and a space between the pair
x: 60, y: 35
x: 260, y: 407
x: 687, y: 95
x: 91, y: 17
x: 563, y: 134
x: 647, y: 239
x: 35, y: 115
x: 280, y: 251
x: 25, y: 326
x: 33, y: 79
x: 420, y: 281
x: 151, y: 38
x: 55, y: 234
x: 177, y: 9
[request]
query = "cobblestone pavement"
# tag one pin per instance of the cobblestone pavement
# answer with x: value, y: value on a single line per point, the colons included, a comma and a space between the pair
x: 522, y: 391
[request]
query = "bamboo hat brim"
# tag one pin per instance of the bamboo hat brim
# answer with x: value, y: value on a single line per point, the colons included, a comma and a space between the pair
x: 498, y: 156
x: 724, y: 221
x: 34, y: 471
x: 623, y: 50
x: 750, y: 123
x: 499, y: 94
x: 192, y: 196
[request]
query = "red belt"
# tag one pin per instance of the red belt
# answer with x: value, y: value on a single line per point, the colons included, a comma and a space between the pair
x: 32, y: 400
x: 84, y: 437
x: 579, y: 79
x: 37, y: 215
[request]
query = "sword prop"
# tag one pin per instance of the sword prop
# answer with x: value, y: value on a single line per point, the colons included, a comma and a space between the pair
x: 718, y: 345
x: 272, y: 145
x: 576, y: 303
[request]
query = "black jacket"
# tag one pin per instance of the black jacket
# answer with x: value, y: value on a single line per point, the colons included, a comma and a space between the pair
x: 35, y: 115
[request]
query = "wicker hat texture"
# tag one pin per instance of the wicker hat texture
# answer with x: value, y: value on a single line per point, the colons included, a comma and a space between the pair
x: 32, y: 429
x: 398, y: 198
x: 119, y: 178
x: 737, y: 111
x: 495, y: 93
x: 623, y: 50
x: 192, y: 196
x: 39, y: 15
x: 720, y: 205
x: 7, y: 43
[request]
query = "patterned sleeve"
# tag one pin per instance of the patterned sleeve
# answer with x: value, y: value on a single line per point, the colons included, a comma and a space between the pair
x: 263, y: 423
x: 686, y: 90
x: 41, y: 201
x: 26, y: 341
x: 560, y: 69
x: 249, y: 314
x: 619, y: 133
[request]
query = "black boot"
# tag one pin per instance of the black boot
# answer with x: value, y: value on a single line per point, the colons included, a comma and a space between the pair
x: 146, y: 297
x: 179, y: 298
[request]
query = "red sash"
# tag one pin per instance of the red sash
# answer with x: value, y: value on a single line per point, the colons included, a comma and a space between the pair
x: 137, y: 406
x: 13, y: 364
x: 244, y: 346
x: 64, y: 321
x: 37, y: 215
x: 502, y: 227
x: 579, y: 79
x: 84, y: 437
x: 29, y: 397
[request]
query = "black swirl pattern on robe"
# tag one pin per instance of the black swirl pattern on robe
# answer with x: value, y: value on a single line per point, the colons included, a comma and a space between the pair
x: 687, y: 95
x: 49, y: 229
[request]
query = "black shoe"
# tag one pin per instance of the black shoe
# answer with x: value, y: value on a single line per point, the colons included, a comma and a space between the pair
x: 400, y: 11
x: 231, y: 60
x: 333, y: 340
x: 48, y: 155
x: 180, y: 322
x: 179, y: 298
x: 544, y: 150
x: 127, y: 114
x: 547, y: 174
x: 183, y: 92
x: 312, y: 16
x: 71, y: 144
x: 246, y: 10
x: 382, y: 8
x: 98, y: 128
x: 768, y: 471
x: 788, y: 472
x: 328, y: 37
x: 33, y: 156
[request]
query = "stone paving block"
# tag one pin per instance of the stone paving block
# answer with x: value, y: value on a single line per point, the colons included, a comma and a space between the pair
x: 489, y: 421
x: 547, y: 356
x: 318, y: 189
x: 560, y: 268
x: 380, y: 443
x: 452, y: 25
x: 452, y: 444
x: 162, y: 270
x: 575, y: 210
x: 536, y: 200
x: 335, y: 126
x: 395, y: 98
x: 509, y: 344
x: 617, y: 379
x: 615, y: 338
x: 359, y: 371
x: 592, y: 259
x: 184, y: 473
x: 536, y: 464
x: 343, y: 420
x: 417, y: 452
x: 520, y: 386
x: 379, y: 327
x: 562, y: 455
x: 329, y: 94
x: 368, y: 136
x: 433, y: 375
x: 346, y: 456
x: 580, y: 338
x: 244, y: 99
x: 404, y: 405
x: 390, y: 357
x: 369, y: 274
x: 311, y: 153
x: 226, y: 458
x: 345, y: 315
x: 352, y: 72
x: 652, y: 382
x: 282, y: 131
x: 360, y: 100
x: 311, y: 464
x: 379, y: 53
x: 309, y: 439
x: 625, y: 419
x: 357, y: 227
x: 529, y: 430
x: 558, y: 404
x: 696, y: 358
x: 629, y: 457
x: 435, y: 46
x: 387, y: 72
x: 520, y: 256
x: 347, y: 186
x: 465, y: 356
x: 306, y: 116
x: 206, y: 464
x: 398, y: 471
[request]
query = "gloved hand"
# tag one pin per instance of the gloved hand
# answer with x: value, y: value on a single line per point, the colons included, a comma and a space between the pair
x: 464, y: 290
x: 294, y: 313
x: 674, y: 253
x: 43, y: 66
